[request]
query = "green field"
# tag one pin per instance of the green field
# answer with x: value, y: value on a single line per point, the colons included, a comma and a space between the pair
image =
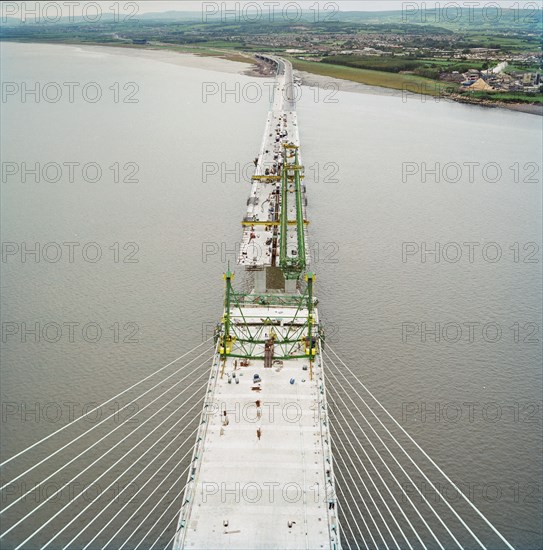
x: 410, y: 83
x: 506, y: 97
x: 205, y: 50
x: 503, y: 43
x: 417, y: 71
x: 425, y: 67
x: 395, y: 81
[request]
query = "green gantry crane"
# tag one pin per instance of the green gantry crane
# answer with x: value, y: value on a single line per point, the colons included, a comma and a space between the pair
x: 292, y: 267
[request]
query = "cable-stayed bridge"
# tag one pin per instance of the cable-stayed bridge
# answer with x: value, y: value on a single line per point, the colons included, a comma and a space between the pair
x: 260, y: 437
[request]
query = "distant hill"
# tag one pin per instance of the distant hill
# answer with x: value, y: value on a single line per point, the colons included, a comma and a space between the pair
x: 461, y: 19
x: 170, y: 16
x: 457, y: 19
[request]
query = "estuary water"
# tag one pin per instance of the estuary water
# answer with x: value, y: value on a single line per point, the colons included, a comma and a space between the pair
x: 426, y: 223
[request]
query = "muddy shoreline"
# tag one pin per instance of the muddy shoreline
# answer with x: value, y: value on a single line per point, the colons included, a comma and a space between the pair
x: 261, y: 69
x: 529, y: 108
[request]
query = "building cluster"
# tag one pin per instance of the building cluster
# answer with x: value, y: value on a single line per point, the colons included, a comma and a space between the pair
x: 496, y: 80
x: 451, y: 46
x: 355, y: 43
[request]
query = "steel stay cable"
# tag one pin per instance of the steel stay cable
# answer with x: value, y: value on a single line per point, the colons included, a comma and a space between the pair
x: 171, y: 540
x: 427, y: 456
x: 164, y: 530
x: 345, y: 517
x: 375, y: 486
x: 354, y: 500
x: 104, y: 473
x: 401, y: 467
x: 153, y: 509
x: 386, y: 487
x: 350, y: 510
x: 100, y: 406
x: 342, y: 532
x: 390, y: 472
x: 89, y: 430
x: 99, y: 458
x: 193, y: 448
x: 337, y: 438
x: 145, y: 484
x: 127, y: 469
x: 162, y: 515
x: 481, y: 515
x: 147, y: 498
x: 89, y: 448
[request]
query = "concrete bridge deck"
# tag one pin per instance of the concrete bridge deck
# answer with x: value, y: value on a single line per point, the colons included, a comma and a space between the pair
x: 262, y: 475
x: 262, y: 233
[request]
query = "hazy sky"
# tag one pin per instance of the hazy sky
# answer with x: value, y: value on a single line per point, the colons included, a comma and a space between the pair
x: 15, y: 8
x: 344, y: 5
